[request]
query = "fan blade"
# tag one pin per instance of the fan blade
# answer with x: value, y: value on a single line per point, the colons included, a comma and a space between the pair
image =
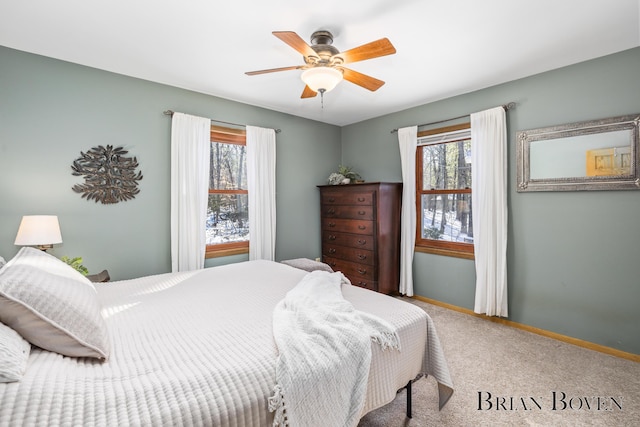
x: 273, y: 70
x: 308, y: 92
x: 360, y: 79
x: 296, y: 42
x: 371, y: 50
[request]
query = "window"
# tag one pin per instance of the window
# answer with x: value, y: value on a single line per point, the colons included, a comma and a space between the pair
x: 443, y: 192
x: 227, y: 211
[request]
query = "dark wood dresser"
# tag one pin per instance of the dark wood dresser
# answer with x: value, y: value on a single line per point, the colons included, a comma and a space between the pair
x: 361, y: 233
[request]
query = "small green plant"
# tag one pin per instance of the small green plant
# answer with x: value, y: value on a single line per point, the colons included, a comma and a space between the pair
x: 347, y: 172
x: 344, y: 175
x: 76, y: 263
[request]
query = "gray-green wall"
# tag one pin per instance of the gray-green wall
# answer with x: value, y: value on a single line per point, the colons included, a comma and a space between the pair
x: 573, y: 259
x: 52, y: 110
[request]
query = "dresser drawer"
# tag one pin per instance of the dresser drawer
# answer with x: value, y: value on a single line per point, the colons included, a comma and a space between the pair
x: 352, y: 270
x: 347, y: 198
x: 344, y: 239
x: 348, y: 254
x: 347, y: 211
x: 348, y: 226
x: 372, y: 285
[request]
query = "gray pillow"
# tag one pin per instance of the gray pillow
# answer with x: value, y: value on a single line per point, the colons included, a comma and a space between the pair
x: 52, y: 305
x: 307, y: 264
x: 14, y: 353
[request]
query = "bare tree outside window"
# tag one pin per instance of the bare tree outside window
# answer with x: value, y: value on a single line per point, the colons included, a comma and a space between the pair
x: 444, y: 188
x: 227, y: 212
x: 227, y: 225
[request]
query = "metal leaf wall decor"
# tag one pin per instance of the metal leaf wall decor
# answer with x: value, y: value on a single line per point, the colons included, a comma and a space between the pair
x: 109, y: 177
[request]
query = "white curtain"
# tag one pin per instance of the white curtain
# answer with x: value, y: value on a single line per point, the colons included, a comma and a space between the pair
x: 261, y: 177
x: 190, y: 146
x: 408, y: 141
x: 489, y: 200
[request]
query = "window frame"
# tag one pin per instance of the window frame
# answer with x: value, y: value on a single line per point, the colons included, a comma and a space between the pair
x: 439, y: 247
x: 227, y: 136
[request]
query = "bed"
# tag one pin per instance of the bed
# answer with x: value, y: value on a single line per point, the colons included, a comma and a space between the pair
x: 189, y: 348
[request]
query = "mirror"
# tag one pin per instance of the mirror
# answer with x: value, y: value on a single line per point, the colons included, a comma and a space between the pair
x: 591, y: 155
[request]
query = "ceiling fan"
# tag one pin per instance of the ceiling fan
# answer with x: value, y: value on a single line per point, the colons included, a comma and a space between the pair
x: 324, y: 64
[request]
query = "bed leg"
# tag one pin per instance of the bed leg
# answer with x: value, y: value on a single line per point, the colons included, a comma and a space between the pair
x: 408, y: 387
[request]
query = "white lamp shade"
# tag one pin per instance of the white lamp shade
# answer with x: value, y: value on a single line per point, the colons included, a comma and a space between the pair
x: 38, y: 230
x: 321, y: 78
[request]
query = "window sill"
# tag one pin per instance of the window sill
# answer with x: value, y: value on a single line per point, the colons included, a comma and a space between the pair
x: 217, y: 253
x: 445, y: 252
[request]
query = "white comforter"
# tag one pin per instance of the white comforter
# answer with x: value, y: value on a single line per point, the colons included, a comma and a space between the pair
x: 197, y: 349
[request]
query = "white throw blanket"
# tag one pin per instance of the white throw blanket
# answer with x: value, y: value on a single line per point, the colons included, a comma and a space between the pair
x: 324, y: 354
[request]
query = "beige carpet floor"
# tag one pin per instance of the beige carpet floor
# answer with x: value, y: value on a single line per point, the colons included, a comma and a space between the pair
x: 508, y: 377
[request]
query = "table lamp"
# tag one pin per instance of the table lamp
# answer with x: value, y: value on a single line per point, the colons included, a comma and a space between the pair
x: 42, y: 231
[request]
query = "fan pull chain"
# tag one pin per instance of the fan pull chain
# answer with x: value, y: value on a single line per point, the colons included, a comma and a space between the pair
x: 322, y: 91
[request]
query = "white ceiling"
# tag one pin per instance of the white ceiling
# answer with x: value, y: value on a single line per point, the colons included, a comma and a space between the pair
x: 444, y: 47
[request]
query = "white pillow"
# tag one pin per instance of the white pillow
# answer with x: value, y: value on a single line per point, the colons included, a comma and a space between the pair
x: 2, y: 262
x: 14, y: 352
x: 52, y: 305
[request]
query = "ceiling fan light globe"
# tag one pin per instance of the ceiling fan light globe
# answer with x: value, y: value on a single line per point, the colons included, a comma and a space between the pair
x: 321, y: 78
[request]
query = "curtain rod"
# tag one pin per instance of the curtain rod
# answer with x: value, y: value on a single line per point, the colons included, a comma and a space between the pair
x: 170, y: 113
x: 509, y: 106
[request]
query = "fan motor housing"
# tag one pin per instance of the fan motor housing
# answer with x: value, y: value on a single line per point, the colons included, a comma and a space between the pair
x: 321, y: 43
x: 322, y: 37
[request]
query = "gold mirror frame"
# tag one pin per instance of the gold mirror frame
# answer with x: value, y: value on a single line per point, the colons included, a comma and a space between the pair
x: 607, y: 167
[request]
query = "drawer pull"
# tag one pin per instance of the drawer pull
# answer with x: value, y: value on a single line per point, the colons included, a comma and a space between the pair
x: 362, y: 227
x: 361, y: 199
x: 362, y: 257
x: 332, y: 250
x: 331, y: 211
x: 360, y: 241
x: 332, y: 237
x: 361, y: 212
x: 332, y: 264
x: 362, y: 271
x: 332, y: 224
x: 363, y: 284
x: 331, y: 199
